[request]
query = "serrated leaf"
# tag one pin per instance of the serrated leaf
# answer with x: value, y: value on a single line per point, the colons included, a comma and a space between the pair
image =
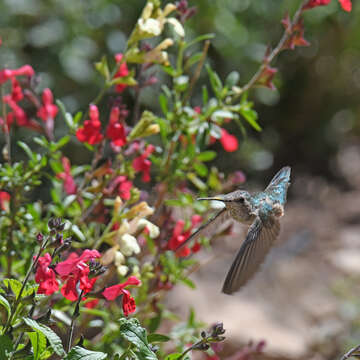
x: 207, y: 156
x: 158, y: 338
x: 6, y: 304
x: 79, y: 353
x: 131, y: 330
x: 38, y: 342
x: 6, y: 346
x: 53, y: 338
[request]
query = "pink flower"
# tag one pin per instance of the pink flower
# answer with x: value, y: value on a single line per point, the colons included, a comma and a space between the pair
x: 143, y: 164
x: 48, y: 110
x: 69, y: 182
x: 91, y: 131
x: 115, y: 130
x: 128, y: 302
x: 91, y: 304
x: 45, y: 276
x: 122, y: 72
x: 16, y: 90
x: 124, y: 187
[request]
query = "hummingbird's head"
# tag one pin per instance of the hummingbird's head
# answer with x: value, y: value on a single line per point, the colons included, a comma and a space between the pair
x: 237, y: 202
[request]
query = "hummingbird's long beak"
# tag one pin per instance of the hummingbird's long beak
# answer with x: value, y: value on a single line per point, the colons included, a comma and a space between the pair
x: 216, y: 198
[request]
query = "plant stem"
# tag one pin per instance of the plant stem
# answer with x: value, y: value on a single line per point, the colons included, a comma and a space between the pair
x: 268, y: 59
x: 7, y: 154
x: 17, y: 301
x: 74, y: 316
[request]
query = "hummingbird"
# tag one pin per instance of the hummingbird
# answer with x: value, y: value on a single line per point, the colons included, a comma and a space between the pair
x: 262, y: 212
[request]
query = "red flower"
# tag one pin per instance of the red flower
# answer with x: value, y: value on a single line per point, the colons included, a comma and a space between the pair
x: 345, y: 4
x: 124, y: 187
x: 16, y: 91
x: 122, y: 71
x: 69, y: 182
x: 179, y: 236
x: 228, y: 141
x: 75, y: 269
x: 7, y: 74
x: 17, y: 112
x: 115, y: 130
x: 48, y: 110
x: 128, y: 302
x: 91, y: 304
x: 143, y: 164
x: 91, y: 131
x: 45, y: 276
x: 4, y: 201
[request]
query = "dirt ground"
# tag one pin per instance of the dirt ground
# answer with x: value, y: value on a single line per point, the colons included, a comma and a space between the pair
x: 303, y: 302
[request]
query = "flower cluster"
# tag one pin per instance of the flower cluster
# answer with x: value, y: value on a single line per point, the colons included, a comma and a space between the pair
x: 80, y: 272
x: 46, y: 109
x: 345, y: 4
x: 179, y: 236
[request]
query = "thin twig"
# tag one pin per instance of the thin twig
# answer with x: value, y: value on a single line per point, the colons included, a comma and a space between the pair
x: 6, y: 129
x: 268, y: 59
x: 73, y: 318
x: 197, y: 72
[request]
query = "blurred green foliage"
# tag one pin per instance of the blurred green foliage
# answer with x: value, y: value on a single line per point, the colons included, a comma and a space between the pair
x: 312, y: 113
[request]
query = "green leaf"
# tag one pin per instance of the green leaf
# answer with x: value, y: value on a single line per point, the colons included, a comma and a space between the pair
x: 173, y: 356
x: 163, y: 103
x: 158, y: 338
x: 15, y: 285
x: 215, y: 81
x: 200, y: 168
x: 78, y: 232
x: 6, y: 304
x: 250, y: 116
x: 79, y: 353
x: 66, y: 115
x: 6, y: 346
x: 205, y: 95
x: 27, y: 150
x: 54, y: 340
x: 103, y: 68
x: 196, y: 181
x: 199, y: 39
x: 222, y: 114
x: 232, y: 79
x: 207, y: 156
x: 131, y: 330
x: 38, y: 342
x: 193, y: 59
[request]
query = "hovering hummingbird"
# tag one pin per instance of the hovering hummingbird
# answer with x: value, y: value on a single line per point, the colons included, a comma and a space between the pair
x: 262, y: 212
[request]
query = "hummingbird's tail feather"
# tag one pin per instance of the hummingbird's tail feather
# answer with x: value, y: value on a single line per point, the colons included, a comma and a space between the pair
x: 252, y: 253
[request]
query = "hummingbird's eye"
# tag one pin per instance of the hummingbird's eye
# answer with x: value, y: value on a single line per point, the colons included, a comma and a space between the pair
x: 241, y: 200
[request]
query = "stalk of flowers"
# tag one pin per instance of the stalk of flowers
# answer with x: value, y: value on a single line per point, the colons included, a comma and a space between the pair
x: 79, y: 273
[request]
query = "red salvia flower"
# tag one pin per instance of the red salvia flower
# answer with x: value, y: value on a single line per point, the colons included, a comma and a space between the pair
x: 122, y: 72
x: 91, y: 131
x: 229, y: 142
x: 179, y: 236
x: 16, y: 90
x: 4, y: 201
x: 75, y: 270
x: 143, y: 164
x: 124, y: 187
x: 91, y: 304
x: 45, y: 276
x: 128, y: 302
x: 48, y: 110
x: 69, y: 182
x: 115, y: 130
x: 345, y: 4
x: 7, y: 74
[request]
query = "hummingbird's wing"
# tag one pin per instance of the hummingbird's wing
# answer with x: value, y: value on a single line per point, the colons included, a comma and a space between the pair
x: 209, y: 227
x: 278, y: 186
x: 257, y: 244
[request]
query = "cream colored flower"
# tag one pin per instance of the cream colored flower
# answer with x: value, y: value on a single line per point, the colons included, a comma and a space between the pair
x: 150, y: 27
x: 154, y: 230
x: 122, y: 270
x: 129, y: 245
